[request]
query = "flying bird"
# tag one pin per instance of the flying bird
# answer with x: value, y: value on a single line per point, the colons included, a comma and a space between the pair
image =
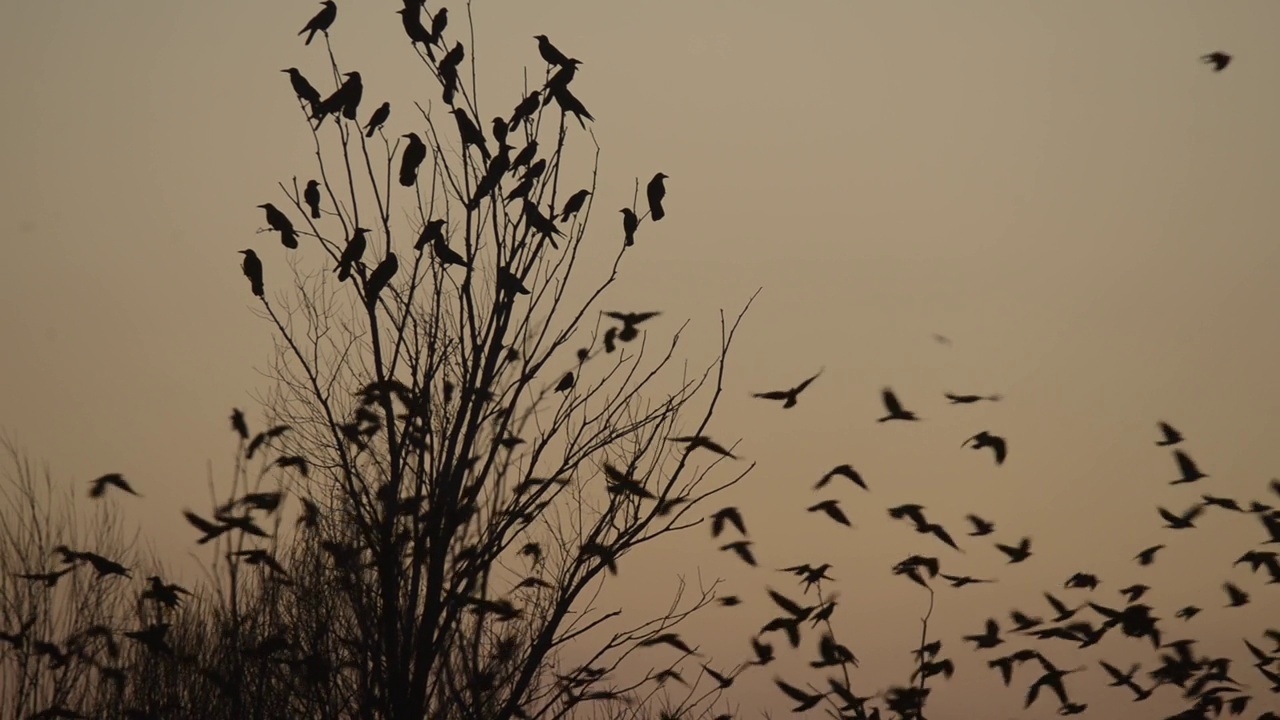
x: 1017, y: 553
x: 833, y: 511
x: 980, y: 527
x: 693, y: 442
x: 985, y: 439
x: 99, y: 486
x: 894, y: 408
x: 789, y: 397
x: 1218, y: 59
x: 845, y: 471
x: 1190, y: 472
x: 970, y: 399
x: 729, y: 515
x: 1169, y: 435
x: 1148, y: 556
x: 321, y: 22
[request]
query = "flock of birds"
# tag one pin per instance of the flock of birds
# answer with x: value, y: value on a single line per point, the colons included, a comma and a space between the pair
x: 344, y: 102
x: 1207, y: 681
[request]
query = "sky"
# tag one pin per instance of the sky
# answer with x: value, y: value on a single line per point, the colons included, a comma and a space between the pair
x: 1061, y: 189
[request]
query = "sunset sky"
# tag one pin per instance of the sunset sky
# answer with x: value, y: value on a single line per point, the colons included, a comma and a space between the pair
x: 1062, y: 189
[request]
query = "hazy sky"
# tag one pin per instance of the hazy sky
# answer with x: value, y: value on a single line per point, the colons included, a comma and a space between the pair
x: 1062, y: 189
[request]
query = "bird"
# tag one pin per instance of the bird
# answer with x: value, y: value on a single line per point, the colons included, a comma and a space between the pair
x: 630, y: 320
x: 1183, y: 521
x: 1017, y: 553
x: 985, y: 439
x: 252, y: 268
x: 432, y: 232
x: 844, y: 470
x: 321, y: 22
x: 970, y: 399
x: 1148, y: 556
x: 346, y: 99
x: 693, y: 442
x: 447, y: 255
x: 833, y: 511
x: 1235, y: 595
x: 894, y: 408
x: 99, y: 486
x: 378, y: 119
x: 1169, y: 435
x: 629, y: 224
x: 1190, y: 472
x: 469, y: 133
x: 411, y: 18
x: 574, y: 204
x: 379, y: 278
x: 311, y: 196
x: 414, y: 153
x: 550, y: 53
x: 743, y: 550
x: 1218, y: 59
x: 302, y: 88
x: 791, y: 396
x: 655, y: 192
x: 988, y: 639
x: 510, y: 282
x: 570, y: 104
x: 351, y: 254
x: 980, y: 527
x: 729, y: 515
x: 281, y: 224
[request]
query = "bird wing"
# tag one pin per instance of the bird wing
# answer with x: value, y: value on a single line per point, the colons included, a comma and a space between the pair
x: 891, y: 401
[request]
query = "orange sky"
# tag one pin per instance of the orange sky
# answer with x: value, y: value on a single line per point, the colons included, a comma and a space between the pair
x: 1062, y: 189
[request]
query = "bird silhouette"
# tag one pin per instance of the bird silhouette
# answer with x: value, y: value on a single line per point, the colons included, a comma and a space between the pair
x: 845, y: 471
x: 988, y: 639
x: 985, y: 439
x: 630, y: 321
x: 345, y: 100
x: 1052, y: 679
x: 980, y: 527
x: 833, y: 511
x: 1218, y: 59
x: 280, y: 222
x: 1168, y: 435
x: 351, y: 254
x: 321, y: 22
x: 806, y: 700
x: 378, y: 119
x: 1185, y: 520
x: 791, y: 396
x: 1236, y: 597
x: 894, y: 408
x: 656, y: 191
x: 303, y: 89
x: 469, y: 133
x: 379, y: 278
x: 252, y: 268
x: 970, y: 399
x: 311, y: 196
x: 99, y: 486
x: 1148, y: 556
x: 728, y: 515
x: 574, y: 204
x: 550, y: 53
x: 570, y: 104
x: 411, y: 18
x: 742, y: 549
x: 629, y: 224
x: 693, y: 442
x: 1190, y: 472
x: 1017, y: 553
x: 524, y: 110
x: 448, y: 70
x: 414, y: 153
x: 510, y: 283
x: 566, y: 383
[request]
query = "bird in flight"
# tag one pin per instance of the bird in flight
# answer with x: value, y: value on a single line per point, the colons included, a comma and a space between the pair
x: 1218, y: 59
x: 1190, y: 472
x: 99, y: 486
x: 894, y: 408
x: 1170, y: 434
x: 985, y: 439
x: 789, y: 397
x: 969, y: 399
x: 846, y: 471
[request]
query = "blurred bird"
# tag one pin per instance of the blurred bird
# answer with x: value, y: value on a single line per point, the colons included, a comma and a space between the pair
x: 1017, y: 553
x: 693, y: 442
x: 380, y: 277
x: 980, y: 527
x: 1218, y: 59
x: 1169, y: 435
x: 894, y: 408
x: 845, y: 471
x: 985, y: 439
x: 1187, y: 466
x: 1148, y: 556
x: 99, y: 486
x: 789, y: 397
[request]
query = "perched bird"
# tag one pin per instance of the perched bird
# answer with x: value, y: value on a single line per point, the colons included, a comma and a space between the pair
x: 303, y: 89
x: 321, y: 22
x: 510, y: 283
x: 629, y: 224
x: 469, y: 133
x: 1169, y: 435
x: 655, y: 192
x: 789, y: 397
x: 570, y: 104
x: 565, y: 383
x: 311, y: 196
x: 1218, y: 59
x: 351, y: 254
x: 549, y: 52
x: 378, y: 119
x: 894, y: 408
x: 252, y: 268
x: 574, y: 204
x: 99, y: 486
x: 411, y: 18
x: 414, y: 153
x: 281, y: 224
x: 985, y: 439
x: 380, y: 277
x: 524, y: 110
x: 432, y: 232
